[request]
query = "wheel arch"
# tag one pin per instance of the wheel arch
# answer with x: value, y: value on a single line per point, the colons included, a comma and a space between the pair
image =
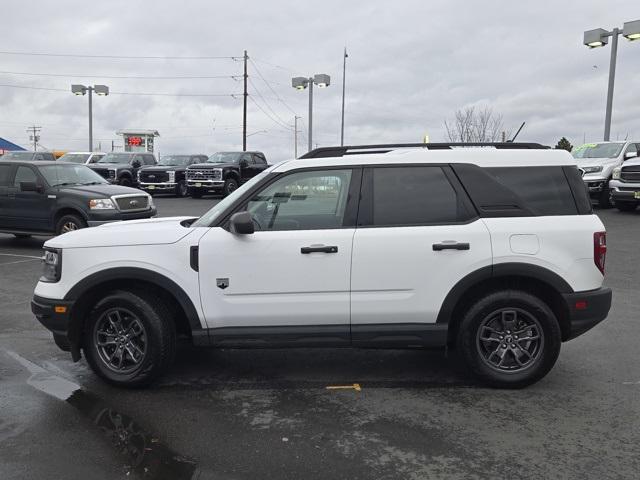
x: 85, y: 293
x: 232, y: 174
x: 540, y: 281
x: 68, y: 210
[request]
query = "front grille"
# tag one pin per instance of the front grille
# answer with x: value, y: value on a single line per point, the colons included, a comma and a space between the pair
x: 629, y: 175
x: 132, y: 203
x: 203, y: 174
x: 154, y: 177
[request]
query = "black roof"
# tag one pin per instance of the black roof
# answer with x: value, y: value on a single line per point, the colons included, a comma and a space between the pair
x: 338, y: 151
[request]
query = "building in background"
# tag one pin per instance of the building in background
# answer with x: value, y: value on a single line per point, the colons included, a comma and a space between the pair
x: 7, y: 146
x: 138, y: 140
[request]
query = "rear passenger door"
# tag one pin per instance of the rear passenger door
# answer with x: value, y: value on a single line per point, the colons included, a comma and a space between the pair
x: 6, y: 174
x: 28, y: 210
x: 417, y: 235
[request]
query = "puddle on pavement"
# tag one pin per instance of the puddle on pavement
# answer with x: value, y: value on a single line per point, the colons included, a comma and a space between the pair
x: 144, y: 454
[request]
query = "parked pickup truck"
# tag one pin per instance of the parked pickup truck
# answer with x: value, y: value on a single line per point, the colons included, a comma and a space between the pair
x: 224, y: 172
x: 169, y: 176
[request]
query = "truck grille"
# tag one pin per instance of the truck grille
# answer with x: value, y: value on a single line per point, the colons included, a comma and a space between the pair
x: 105, y: 172
x: 132, y: 203
x: 630, y: 173
x: 203, y: 174
x: 154, y: 177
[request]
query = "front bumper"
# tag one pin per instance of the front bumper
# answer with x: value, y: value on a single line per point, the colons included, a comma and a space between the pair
x: 624, y: 191
x: 157, y: 187
x: 49, y: 313
x: 595, y: 184
x: 97, y: 218
x: 586, y: 310
x: 206, y: 184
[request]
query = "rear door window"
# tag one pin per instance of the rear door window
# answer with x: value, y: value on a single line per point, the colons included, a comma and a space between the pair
x: 412, y: 196
x: 24, y: 174
x: 544, y: 190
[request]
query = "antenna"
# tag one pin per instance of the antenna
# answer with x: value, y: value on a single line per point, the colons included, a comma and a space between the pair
x: 514, y: 137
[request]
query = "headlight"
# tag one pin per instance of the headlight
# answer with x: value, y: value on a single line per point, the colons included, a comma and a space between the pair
x: 172, y: 176
x: 101, y: 204
x: 138, y: 176
x: 616, y: 173
x: 112, y: 173
x: 52, y: 262
x: 151, y: 205
x: 594, y: 169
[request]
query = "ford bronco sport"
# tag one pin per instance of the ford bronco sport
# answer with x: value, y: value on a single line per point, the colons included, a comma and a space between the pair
x: 492, y: 250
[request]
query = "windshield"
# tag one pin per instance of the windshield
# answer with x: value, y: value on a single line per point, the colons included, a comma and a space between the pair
x: 70, y: 174
x: 211, y: 216
x: 74, y: 157
x: 17, y: 156
x: 115, y: 158
x: 174, y: 160
x: 224, y: 157
x: 598, y: 150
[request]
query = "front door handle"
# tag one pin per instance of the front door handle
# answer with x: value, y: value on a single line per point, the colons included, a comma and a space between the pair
x: 320, y: 249
x: 451, y: 246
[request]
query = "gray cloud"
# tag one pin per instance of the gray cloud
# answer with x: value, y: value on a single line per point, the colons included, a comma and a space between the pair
x: 411, y: 65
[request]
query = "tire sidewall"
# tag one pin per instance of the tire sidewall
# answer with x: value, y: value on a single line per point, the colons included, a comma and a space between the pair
x: 181, y: 189
x: 125, y: 181
x: 79, y: 221
x: 467, y: 339
x: 153, y: 325
x: 228, y: 182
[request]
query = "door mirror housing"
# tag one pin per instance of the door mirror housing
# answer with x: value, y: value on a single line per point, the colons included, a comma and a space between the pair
x: 629, y: 155
x: 31, y: 187
x: 243, y: 163
x: 241, y: 223
x: 136, y: 164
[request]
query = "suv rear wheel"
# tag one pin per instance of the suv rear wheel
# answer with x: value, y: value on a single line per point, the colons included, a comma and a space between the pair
x: 509, y: 339
x: 130, y: 339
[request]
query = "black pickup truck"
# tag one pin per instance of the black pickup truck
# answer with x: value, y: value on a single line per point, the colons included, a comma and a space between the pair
x: 122, y: 167
x: 223, y: 172
x: 45, y: 198
x: 169, y: 175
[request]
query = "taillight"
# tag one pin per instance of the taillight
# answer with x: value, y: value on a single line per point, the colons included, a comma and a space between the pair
x: 600, y: 249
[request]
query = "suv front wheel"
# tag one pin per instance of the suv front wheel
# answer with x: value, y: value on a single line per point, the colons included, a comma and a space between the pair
x: 509, y: 339
x: 130, y: 339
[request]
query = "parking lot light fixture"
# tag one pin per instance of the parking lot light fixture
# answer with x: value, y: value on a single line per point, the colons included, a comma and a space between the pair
x: 599, y: 37
x: 322, y: 80
x: 101, y: 90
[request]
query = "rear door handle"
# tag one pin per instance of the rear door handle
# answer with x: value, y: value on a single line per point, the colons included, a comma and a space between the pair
x: 451, y: 246
x: 320, y: 249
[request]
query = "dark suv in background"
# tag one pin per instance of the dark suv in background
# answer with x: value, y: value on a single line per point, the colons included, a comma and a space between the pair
x: 122, y: 168
x: 169, y: 175
x: 223, y: 172
x: 45, y: 198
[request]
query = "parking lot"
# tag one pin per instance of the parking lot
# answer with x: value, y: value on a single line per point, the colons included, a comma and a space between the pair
x: 246, y: 414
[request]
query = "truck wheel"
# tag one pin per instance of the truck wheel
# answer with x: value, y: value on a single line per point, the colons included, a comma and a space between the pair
x: 230, y: 185
x: 604, y: 199
x: 509, y: 339
x: 125, y: 181
x: 626, y: 206
x: 181, y: 189
x: 69, y: 223
x: 129, y: 339
x: 195, y: 192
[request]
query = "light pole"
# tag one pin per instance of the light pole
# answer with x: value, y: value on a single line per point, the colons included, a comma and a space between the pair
x: 300, y: 83
x: 101, y: 90
x: 599, y: 38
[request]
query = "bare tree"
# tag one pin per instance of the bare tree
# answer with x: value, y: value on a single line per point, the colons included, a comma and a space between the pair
x: 471, y: 125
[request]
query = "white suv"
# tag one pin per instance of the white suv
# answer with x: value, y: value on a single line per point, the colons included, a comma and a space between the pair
x: 492, y: 250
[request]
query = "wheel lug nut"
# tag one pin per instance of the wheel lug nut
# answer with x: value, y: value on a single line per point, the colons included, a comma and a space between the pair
x: 501, y: 337
x: 513, y: 345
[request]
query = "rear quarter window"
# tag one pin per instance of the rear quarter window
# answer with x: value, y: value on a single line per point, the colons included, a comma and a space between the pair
x: 544, y: 190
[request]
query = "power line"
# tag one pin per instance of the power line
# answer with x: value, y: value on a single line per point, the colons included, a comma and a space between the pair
x: 146, y: 57
x: 283, y: 122
x: 268, y: 115
x: 271, y: 88
x: 163, y: 94
x: 129, y: 77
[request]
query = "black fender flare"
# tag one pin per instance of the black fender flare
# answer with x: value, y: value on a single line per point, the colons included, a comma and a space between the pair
x: 135, y: 273
x: 510, y: 269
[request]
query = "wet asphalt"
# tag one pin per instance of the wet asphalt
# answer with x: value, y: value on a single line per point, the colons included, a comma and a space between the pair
x: 267, y: 413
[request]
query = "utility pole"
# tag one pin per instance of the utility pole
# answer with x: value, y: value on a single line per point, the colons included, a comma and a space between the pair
x: 344, y: 71
x: 310, y: 114
x: 34, y: 137
x: 612, y: 79
x: 295, y: 136
x: 112, y: 145
x: 244, y: 106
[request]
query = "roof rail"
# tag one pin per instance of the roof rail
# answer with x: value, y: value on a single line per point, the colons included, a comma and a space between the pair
x: 325, y: 152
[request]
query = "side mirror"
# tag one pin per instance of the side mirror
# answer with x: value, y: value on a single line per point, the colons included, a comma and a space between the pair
x: 136, y: 164
x: 31, y: 187
x: 629, y: 155
x: 241, y: 223
x: 243, y: 164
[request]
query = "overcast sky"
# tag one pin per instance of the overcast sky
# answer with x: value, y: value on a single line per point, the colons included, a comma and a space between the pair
x: 411, y: 64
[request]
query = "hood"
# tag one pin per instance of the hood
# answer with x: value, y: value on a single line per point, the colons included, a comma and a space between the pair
x: 152, y: 231
x: 163, y: 168
x: 211, y: 165
x: 588, y: 162
x: 100, y: 191
x: 108, y: 165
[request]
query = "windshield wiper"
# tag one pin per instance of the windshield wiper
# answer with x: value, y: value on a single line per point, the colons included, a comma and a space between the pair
x: 66, y: 184
x: 93, y: 183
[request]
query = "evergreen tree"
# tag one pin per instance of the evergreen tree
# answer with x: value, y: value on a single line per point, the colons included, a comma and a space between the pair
x: 564, y: 144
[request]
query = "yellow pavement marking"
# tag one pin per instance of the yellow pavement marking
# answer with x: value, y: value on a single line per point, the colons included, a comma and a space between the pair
x: 355, y: 386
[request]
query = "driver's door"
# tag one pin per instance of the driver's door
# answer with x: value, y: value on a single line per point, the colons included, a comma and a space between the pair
x: 289, y: 282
